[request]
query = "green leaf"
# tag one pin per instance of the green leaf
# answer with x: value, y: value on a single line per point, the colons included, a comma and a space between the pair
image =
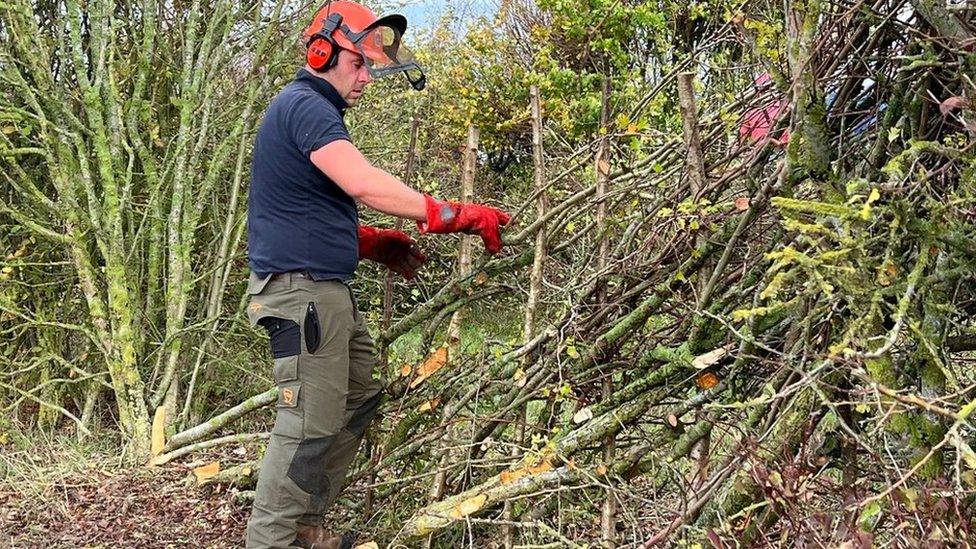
x: 870, y: 515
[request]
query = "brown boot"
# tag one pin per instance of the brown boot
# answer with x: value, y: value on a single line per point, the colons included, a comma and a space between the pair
x: 317, y: 537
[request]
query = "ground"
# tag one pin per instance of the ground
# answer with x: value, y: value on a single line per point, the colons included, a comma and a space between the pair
x: 57, y: 493
x: 128, y: 508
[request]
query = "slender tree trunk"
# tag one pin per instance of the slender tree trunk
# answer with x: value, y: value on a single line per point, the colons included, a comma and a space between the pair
x: 535, y: 286
x: 469, y: 168
x: 602, y: 165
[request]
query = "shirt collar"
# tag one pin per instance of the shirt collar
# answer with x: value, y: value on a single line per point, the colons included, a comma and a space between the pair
x: 323, y: 87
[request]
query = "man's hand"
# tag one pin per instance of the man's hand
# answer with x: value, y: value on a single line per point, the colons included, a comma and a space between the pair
x: 454, y: 217
x: 394, y: 249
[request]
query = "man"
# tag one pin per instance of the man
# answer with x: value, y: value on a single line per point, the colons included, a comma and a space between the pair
x: 304, y: 244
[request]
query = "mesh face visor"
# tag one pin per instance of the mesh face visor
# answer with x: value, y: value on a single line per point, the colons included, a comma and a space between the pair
x: 382, y: 47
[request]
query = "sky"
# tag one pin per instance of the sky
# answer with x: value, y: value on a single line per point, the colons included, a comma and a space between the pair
x: 426, y: 13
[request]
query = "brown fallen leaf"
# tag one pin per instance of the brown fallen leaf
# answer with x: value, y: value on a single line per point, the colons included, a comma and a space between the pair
x: 741, y: 203
x: 952, y: 103
x: 707, y: 380
x: 368, y: 545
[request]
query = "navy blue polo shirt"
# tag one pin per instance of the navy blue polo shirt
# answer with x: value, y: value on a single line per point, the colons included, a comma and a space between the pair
x: 298, y: 219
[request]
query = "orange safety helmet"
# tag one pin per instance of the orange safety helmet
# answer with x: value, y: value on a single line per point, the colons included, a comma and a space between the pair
x: 353, y: 27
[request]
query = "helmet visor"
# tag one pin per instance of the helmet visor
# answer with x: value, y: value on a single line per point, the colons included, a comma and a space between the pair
x: 385, y: 53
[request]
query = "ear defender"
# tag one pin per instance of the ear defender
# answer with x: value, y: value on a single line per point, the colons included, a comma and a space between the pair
x: 321, y: 51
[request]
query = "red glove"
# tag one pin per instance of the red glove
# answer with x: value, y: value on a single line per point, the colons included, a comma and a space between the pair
x: 394, y: 249
x: 454, y: 217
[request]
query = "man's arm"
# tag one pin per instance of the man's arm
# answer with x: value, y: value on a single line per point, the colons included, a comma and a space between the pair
x: 342, y: 162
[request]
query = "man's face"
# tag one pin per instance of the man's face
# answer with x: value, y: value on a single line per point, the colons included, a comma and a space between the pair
x: 349, y: 77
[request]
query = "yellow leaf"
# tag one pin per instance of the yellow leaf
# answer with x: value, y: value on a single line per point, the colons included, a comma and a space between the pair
x: 429, y: 405
x: 436, y: 361
x: 405, y: 370
x: 520, y: 379
x: 468, y: 506
x: 158, y: 431
x: 601, y: 469
x: 368, y: 545
x: 206, y: 471
x: 631, y: 129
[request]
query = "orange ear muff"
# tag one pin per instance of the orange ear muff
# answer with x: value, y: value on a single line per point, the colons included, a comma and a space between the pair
x: 319, y: 53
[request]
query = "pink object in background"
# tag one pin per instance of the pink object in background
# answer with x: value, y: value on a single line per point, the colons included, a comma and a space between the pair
x: 757, y: 122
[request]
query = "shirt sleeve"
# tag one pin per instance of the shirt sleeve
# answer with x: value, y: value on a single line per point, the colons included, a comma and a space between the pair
x: 314, y: 123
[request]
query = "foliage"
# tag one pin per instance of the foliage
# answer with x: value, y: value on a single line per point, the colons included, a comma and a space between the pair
x: 782, y: 354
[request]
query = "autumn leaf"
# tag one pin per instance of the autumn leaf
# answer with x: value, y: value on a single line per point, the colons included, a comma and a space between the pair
x: 207, y: 471
x: 741, y: 203
x: 951, y: 104
x: 429, y: 405
x: 405, y: 370
x: 707, y: 380
x: 468, y: 506
x: 368, y: 545
x: 158, y: 431
x: 520, y: 379
x: 436, y: 361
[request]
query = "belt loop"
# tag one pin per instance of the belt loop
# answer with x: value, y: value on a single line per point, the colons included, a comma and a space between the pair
x: 290, y: 274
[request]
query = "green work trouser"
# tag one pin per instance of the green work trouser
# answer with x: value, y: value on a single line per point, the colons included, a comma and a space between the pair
x: 323, y: 366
